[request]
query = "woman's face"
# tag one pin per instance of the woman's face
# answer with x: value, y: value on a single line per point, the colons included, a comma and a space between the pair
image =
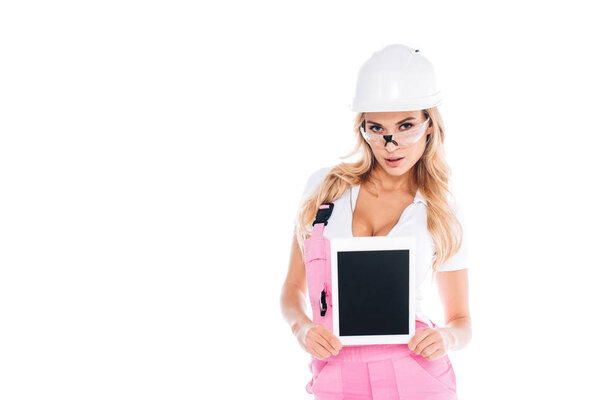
x: 395, y: 122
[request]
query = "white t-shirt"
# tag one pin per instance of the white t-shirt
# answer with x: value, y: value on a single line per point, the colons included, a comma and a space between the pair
x: 412, y: 222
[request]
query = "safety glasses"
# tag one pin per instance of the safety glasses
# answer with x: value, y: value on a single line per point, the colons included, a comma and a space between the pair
x: 404, y: 138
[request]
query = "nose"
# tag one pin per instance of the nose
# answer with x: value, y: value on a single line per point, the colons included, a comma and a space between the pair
x: 389, y: 139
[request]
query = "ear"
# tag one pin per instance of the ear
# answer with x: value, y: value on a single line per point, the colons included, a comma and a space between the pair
x: 430, y: 126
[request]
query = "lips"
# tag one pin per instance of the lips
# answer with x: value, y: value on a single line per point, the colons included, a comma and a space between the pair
x: 394, y: 159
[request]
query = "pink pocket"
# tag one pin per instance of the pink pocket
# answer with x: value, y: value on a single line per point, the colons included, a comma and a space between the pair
x: 415, y: 381
x: 439, y: 370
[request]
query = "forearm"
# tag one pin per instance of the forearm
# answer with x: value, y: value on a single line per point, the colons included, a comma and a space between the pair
x: 459, y: 333
x: 293, y: 306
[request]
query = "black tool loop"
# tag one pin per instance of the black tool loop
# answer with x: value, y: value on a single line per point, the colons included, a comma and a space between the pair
x: 323, y: 304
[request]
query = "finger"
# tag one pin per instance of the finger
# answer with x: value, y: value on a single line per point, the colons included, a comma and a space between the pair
x: 435, y: 355
x: 335, y: 341
x: 322, y: 351
x: 424, y: 343
x: 320, y: 336
x: 329, y: 339
x: 417, y: 337
x: 436, y: 338
x: 429, y: 350
x: 325, y: 341
x: 313, y: 346
x: 338, y: 344
x: 332, y: 343
x: 412, y: 343
x: 327, y: 345
x: 316, y: 351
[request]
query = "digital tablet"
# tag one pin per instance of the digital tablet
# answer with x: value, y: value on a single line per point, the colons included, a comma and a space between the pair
x: 373, y: 289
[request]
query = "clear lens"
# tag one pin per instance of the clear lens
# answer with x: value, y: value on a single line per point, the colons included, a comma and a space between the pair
x: 401, y: 139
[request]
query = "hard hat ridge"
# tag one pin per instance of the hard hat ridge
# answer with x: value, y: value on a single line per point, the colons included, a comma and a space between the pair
x: 396, y: 78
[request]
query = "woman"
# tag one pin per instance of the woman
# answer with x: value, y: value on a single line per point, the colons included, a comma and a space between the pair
x: 399, y: 186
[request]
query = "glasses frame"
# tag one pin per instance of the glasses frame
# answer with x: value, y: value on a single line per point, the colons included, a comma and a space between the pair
x: 371, y: 137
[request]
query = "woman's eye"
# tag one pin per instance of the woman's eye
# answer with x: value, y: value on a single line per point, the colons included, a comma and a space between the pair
x: 407, y: 123
x: 375, y: 127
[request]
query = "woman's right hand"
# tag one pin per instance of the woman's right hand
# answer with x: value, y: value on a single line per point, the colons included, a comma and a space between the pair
x: 317, y: 340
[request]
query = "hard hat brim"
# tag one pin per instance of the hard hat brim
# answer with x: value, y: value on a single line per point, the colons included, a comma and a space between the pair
x: 413, y: 104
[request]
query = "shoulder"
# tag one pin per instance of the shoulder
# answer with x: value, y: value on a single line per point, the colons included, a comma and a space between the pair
x: 317, y: 176
x: 313, y: 181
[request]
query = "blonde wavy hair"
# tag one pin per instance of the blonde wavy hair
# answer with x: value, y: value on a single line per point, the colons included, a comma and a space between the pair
x: 431, y: 175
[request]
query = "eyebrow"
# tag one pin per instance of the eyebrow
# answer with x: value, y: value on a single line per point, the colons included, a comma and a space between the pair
x: 399, y: 122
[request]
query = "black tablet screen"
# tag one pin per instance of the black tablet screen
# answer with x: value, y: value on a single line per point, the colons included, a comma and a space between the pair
x: 373, y: 292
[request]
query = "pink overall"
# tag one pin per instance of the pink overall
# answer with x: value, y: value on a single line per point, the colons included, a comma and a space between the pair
x: 378, y: 372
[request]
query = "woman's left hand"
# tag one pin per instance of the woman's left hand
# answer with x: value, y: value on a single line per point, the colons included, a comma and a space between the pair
x: 431, y: 343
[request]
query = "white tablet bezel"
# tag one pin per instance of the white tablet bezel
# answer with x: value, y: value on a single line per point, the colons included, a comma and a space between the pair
x: 366, y: 243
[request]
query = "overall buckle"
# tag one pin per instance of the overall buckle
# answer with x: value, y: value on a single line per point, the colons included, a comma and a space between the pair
x: 323, y: 214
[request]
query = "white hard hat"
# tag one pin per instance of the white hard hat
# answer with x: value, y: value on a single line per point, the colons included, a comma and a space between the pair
x: 396, y: 78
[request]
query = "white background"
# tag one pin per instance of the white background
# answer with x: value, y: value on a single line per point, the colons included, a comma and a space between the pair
x: 152, y: 155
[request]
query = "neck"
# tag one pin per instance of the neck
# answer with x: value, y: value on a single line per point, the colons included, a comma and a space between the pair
x: 392, y: 183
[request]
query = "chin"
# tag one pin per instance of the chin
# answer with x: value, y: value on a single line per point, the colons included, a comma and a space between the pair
x: 392, y: 170
x: 395, y: 171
